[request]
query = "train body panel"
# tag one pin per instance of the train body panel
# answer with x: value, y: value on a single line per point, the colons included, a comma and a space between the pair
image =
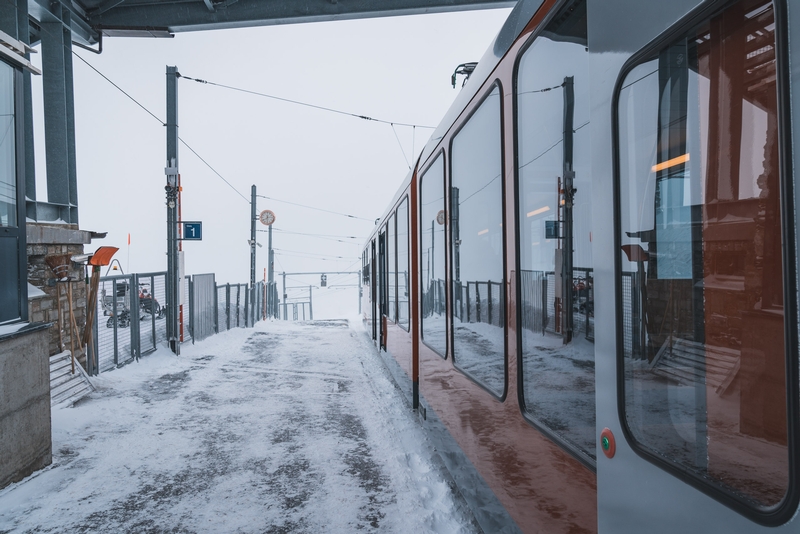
x: 601, y: 271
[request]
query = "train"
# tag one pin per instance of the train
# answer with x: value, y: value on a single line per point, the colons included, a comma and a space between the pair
x: 586, y: 286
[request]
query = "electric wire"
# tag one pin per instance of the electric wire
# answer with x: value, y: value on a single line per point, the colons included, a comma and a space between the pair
x: 312, y: 253
x: 306, y: 104
x: 401, y: 147
x: 206, y: 163
x: 318, y: 235
x: 310, y: 258
x: 315, y: 208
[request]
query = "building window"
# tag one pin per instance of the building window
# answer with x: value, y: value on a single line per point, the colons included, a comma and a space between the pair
x: 8, y: 162
x: 12, y: 212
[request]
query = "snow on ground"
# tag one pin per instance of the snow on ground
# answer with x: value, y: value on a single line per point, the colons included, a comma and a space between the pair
x: 287, y: 427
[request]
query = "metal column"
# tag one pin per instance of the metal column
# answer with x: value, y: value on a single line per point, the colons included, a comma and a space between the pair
x: 59, y: 115
x: 173, y: 276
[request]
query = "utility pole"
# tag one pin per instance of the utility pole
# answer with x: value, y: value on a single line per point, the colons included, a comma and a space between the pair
x: 252, y: 247
x: 271, y: 270
x: 172, y: 187
x: 569, y: 197
x: 310, y: 309
x: 253, y: 236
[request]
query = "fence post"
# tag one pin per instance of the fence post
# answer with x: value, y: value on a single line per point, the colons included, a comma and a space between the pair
x: 247, y: 308
x: 544, y: 302
x: 478, y: 301
x: 191, y: 307
x: 96, y: 345
x: 136, y: 338
x: 115, y: 316
x: 153, y: 311
x: 238, y: 305
x: 216, y: 308
x: 468, y: 314
x: 489, y: 299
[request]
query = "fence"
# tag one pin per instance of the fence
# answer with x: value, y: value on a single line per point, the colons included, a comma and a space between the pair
x: 131, y: 314
x: 479, y: 302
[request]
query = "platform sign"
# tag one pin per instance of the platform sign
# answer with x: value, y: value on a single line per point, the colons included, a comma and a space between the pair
x: 552, y: 229
x: 193, y: 231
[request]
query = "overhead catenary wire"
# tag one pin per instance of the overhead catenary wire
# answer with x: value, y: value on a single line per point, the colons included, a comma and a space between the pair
x: 206, y: 163
x: 311, y: 253
x: 306, y: 104
x: 401, y: 147
x: 318, y: 235
x: 315, y: 208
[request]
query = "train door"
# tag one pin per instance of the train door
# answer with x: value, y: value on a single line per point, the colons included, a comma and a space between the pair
x: 696, y: 369
x: 382, y: 289
x: 374, y: 291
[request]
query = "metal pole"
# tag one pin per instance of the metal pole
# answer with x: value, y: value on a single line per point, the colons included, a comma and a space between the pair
x: 310, y: 309
x: 172, y: 211
x: 285, y: 311
x: 569, y: 194
x: 253, y: 236
x: 270, y: 260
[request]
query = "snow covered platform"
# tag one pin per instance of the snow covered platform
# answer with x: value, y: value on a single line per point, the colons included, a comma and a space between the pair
x: 286, y: 427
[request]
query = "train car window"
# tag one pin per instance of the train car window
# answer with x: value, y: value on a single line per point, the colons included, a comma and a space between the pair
x: 556, y: 293
x: 476, y: 226
x: 701, y: 280
x: 391, y: 267
x: 432, y: 277
x: 402, y: 265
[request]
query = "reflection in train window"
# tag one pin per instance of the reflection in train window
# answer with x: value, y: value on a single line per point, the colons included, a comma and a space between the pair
x: 701, y: 279
x: 402, y: 264
x: 391, y: 267
x: 476, y: 217
x: 555, y: 214
x: 431, y: 257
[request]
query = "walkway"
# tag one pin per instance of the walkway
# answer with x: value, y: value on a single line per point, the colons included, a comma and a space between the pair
x: 288, y: 427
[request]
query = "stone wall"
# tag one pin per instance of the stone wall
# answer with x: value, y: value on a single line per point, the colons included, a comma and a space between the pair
x: 46, y: 308
x: 48, y: 242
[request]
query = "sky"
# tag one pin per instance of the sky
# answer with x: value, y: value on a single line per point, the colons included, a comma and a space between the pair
x: 395, y: 68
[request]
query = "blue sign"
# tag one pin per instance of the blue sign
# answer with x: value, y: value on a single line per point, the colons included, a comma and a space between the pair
x: 192, y: 231
x: 552, y: 229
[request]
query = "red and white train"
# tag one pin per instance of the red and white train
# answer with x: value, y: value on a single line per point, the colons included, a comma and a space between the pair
x: 587, y: 286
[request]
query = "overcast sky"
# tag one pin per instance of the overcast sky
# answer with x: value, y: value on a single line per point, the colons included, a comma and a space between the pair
x: 395, y: 69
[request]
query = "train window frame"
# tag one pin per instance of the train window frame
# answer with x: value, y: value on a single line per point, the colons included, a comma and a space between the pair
x: 405, y: 200
x: 391, y: 275
x: 475, y: 105
x: 422, y: 174
x: 785, y: 509
x: 530, y: 418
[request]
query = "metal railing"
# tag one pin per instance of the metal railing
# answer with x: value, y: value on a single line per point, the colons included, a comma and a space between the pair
x: 131, y: 314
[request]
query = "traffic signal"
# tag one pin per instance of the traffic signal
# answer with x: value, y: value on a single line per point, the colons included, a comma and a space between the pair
x: 323, y: 281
